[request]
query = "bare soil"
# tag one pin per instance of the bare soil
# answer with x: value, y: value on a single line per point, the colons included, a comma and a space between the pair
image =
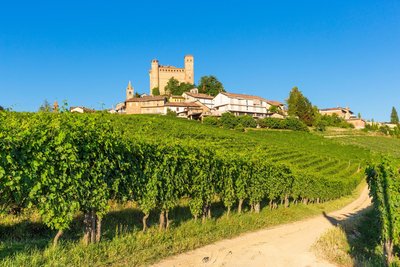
x: 285, y: 245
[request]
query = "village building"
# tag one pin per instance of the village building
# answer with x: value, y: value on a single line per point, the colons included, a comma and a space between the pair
x: 194, y: 96
x: 81, y: 110
x: 358, y: 123
x: 189, y: 110
x: 160, y: 75
x: 145, y: 105
x: 241, y: 104
x: 176, y: 98
x: 344, y: 113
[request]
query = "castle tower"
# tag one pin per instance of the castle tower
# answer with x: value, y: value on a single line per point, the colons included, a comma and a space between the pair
x: 154, y: 75
x: 189, y: 69
x: 129, y: 91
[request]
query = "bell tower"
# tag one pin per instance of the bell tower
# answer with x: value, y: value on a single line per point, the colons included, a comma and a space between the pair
x: 189, y: 69
x: 129, y: 91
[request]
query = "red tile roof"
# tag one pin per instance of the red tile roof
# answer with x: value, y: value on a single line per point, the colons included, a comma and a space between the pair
x: 146, y: 98
x: 182, y: 104
x: 251, y: 97
x: 199, y: 95
x: 336, y: 109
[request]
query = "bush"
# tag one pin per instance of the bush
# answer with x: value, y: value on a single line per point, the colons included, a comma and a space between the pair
x: 270, y: 123
x: 228, y: 120
x: 247, y: 121
x: 333, y: 121
x: 171, y: 113
x: 287, y: 124
x: 320, y: 125
x: 213, y: 121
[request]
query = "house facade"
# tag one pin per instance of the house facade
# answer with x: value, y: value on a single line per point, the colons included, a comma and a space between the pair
x: 195, y: 96
x: 241, y: 104
x: 145, y: 105
x: 184, y: 109
x: 344, y: 113
x: 357, y: 123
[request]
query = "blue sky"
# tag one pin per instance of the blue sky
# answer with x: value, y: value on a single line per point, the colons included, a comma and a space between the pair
x: 343, y: 53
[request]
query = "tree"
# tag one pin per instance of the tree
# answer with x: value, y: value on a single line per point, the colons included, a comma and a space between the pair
x: 173, y: 87
x: 394, y: 118
x: 1, y: 108
x: 155, y: 91
x: 210, y: 85
x: 300, y: 106
x: 359, y: 115
x: 45, y: 107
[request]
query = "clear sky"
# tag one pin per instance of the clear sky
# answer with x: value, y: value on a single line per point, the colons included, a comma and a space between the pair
x: 342, y: 52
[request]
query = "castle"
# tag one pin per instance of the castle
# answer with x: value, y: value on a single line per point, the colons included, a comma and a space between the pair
x: 160, y: 75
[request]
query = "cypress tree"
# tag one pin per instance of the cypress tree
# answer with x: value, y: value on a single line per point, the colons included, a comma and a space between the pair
x: 394, y: 118
x: 300, y: 106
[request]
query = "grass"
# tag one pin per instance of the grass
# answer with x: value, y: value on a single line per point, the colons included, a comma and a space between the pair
x: 378, y: 144
x: 354, y: 243
x: 124, y: 244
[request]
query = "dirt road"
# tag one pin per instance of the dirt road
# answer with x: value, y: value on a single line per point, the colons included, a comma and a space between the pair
x: 285, y: 245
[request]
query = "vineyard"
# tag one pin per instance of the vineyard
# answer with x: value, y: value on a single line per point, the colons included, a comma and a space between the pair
x: 60, y: 166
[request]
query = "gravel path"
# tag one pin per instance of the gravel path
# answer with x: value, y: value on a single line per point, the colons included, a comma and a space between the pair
x: 285, y: 245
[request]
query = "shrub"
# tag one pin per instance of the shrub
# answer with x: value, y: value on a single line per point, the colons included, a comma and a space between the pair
x: 247, y: 121
x: 289, y: 123
x: 228, y: 120
x: 214, y: 121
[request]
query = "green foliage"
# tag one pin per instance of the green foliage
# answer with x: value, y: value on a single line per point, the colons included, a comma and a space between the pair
x: 68, y: 164
x: 299, y: 106
x: 332, y: 121
x: 274, y: 109
x: 288, y: 123
x: 1, y: 108
x: 213, y: 121
x: 155, y: 91
x: 171, y: 113
x: 384, y: 183
x: 228, y: 120
x: 320, y: 125
x: 63, y: 164
x: 45, y: 107
x: 210, y: 85
x: 394, y: 117
x: 173, y: 87
x: 247, y: 121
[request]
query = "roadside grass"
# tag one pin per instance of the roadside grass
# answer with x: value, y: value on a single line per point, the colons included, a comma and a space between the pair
x: 124, y: 244
x: 354, y: 243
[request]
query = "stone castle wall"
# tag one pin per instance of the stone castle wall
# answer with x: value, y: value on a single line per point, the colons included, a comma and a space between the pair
x: 160, y: 75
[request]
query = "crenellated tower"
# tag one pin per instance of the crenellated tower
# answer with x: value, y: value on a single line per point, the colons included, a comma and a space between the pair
x: 189, y: 69
x: 160, y: 74
x: 154, y: 75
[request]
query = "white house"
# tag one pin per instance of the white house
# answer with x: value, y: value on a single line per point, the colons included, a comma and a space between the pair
x: 185, y: 109
x: 240, y: 104
x: 81, y: 110
x: 194, y: 96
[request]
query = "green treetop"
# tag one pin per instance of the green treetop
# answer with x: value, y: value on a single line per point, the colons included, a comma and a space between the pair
x: 173, y: 87
x: 394, y: 118
x: 210, y: 85
x: 300, y: 106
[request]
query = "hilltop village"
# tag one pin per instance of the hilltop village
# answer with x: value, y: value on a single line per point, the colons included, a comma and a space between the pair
x: 193, y: 104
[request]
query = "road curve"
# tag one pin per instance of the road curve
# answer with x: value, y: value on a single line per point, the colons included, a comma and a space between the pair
x: 285, y: 245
